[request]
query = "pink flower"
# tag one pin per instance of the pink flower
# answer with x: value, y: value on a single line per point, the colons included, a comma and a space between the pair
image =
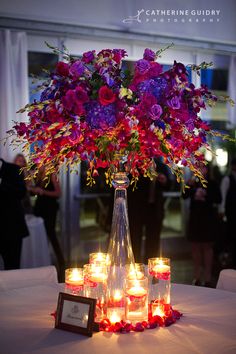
x: 72, y: 103
x: 81, y: 94
x: 155, y: 69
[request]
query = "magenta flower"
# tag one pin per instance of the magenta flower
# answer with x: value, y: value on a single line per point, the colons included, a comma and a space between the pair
x: 81, y: 94
x: 88, y: 57
x: 118, y: 54
x: 149, y: 55
x: 77, y: 69
x: 72, y: 103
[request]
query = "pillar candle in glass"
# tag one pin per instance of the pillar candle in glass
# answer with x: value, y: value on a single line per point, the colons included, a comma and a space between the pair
x: 99, y: 258
x: 115, y: 306
x: 95, y: 286
x: 159, y: 281
x: 74, y: 281
x: 136, y: 299
x: 136, y: 271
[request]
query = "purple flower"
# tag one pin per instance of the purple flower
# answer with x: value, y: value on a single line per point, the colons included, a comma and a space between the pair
x: 76, y: 69
x: 47, y: 94
x: 99, y: 116
x: 157, y: 87
x: 107, y: 76
x: 88, y: 56
x: 179, y: 68
x: 190, y: 124
x: 142, y: 66
x: 174, y: 102
x: 149, y: 55
x: 156, y: 111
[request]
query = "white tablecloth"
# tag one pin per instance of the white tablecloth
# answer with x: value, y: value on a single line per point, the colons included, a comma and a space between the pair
x: 35, y: 250
x: 208, y: 326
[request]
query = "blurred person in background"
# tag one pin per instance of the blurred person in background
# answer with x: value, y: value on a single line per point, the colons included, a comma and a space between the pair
x: 13, y: 226
x: 20, y: 161
x: 228, y: 208
x: 47, y: 206
x: 146, y: 212
x: 202, y: 224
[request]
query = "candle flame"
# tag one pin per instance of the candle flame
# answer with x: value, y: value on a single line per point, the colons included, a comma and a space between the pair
x: 115, y: 317
x: 117, y: 295
x: 75, y: 275
x: 158, y: 312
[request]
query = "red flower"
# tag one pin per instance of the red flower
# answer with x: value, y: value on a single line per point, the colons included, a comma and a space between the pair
x: 106, y: 96
x: 62, y: 68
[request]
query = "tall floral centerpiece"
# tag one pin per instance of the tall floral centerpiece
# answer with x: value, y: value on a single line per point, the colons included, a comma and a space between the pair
x: 92, y: 110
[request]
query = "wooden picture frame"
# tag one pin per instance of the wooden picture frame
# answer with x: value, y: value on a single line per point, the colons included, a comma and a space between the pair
x: 75, y: 314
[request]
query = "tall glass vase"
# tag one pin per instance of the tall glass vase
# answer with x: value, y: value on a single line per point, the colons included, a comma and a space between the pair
x: 119, y: 250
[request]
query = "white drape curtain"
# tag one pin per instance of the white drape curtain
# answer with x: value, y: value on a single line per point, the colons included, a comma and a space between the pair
x: 13, y: 84
x: 232, y: 91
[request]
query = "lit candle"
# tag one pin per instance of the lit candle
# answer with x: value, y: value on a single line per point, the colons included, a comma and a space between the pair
x: 133, y: 274
x: 117, y: 295
x: 115, y: 317
x: 74, y: 278
x: 161, y: 268
x: 136, y: 304
x: 74, y: 281
x: 99, y: 258
x: 98, y: 277
x: 157, y: 311
x: 136, y: 271
x: 98, y: 274
x: 137, y: 291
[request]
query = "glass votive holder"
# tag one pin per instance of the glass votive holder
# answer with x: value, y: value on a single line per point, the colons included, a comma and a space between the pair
x: 99, y: 258
x: 74, y: 281
x: 159, y: 274
x: 95, y: 286
x: 116, y: 305
x: 136, y: 299
x: 135, y: 271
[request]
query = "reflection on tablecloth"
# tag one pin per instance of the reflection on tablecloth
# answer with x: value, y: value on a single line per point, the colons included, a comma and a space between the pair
x: 35, y: 249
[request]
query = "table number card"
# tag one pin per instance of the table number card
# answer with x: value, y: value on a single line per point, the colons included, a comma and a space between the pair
x: 75, y: 314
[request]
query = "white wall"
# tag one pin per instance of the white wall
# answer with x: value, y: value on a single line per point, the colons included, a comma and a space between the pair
x: 110, y: 14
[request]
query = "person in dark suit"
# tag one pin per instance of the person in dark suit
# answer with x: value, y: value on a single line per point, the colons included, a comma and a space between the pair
x: 146, y: 212
x: 12, y: 221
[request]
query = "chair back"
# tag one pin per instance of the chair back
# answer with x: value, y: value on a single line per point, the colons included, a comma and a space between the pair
x: 227, y: 280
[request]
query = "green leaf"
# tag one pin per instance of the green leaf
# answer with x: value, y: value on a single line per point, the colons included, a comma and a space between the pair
x: 160, y: 51
x: 164, y: 148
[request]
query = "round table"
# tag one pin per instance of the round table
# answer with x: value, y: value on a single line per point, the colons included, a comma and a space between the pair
x: 208, y: 325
